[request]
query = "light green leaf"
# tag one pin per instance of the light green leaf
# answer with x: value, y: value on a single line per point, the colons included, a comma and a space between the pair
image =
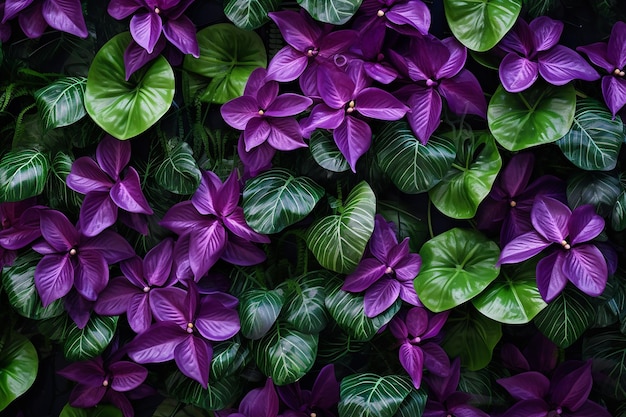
x: 23, y: 174
x: 336, y: 12
x: 277, y: 199
x: 607, y: 349
x: 258, y: 310
x: 249, y: 14
x: 179, y: 172
x: 326, y: 153
x: 220, y: 393
x: 305, y: 307
x: 61, y: 103
x: 18, y: 368
x: 89, y: 342
x: 371, y: 395
x: 599, y: 189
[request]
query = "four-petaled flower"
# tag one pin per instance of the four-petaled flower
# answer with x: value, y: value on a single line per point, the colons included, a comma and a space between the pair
x: 318, y: 401
x: 34, y: 16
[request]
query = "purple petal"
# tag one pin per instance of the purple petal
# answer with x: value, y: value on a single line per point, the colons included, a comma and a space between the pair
x: 412, y: 360
x: 517, y: 73
x: 456, y: 61
x: 550, y: 218
x: 336, y: 42
x: 193, y: 357
x: 181, y: 32
x: 517, y: 173
x: 91, y: 275
x: 436, y: 359
x: 256, y: 80
x: 529, y: 408
x: 288, y: 105
x: 127, y: 375
x: 113, y: 155
x: 135, y: 57
x: 205, y: 198
x: 416, y: 321
x: 66, y: 16
x: 236, y: 223
x: 121, y: 9
x: 168, y: 305
x: 127, y: 194
x: 616, y: 48
x: 571, y: 390
x: 113, y: 247
x: 13, y: 7
x: 520, y: 39
x: 227, y: 198
x: 597, y: 53
x: 285, y: 135
x: 298, y: 31
x: 380, y: 296
x: 78, y: 308
x: 156, y: 344
x: 353, y: 138
x: 461, y: 94
x: 429, y: 56
x: 260, y: 402
x: 424, y: 116
x: 523, y: 247
x: 381, y: 72
x: 526, y: 386
x: 256, y: 160
x: 182, y: 218
x: 435, y: 324
x: 84, y: 396
x: 267, y: 93
x: 86, y: 176
x: 90, y: 372
x: 238, y: 111
x: 216, y: 322
x: 115, y: 298
x: 54, y: 277
x: 256, y: 133
x: 58, y: 231
x: 287, y: 65
x: 308, y: 80
x: 367, y: 272
x: 614, y: 92
x: 591, y: 409
x: 546, y: 32
x: 242, y: 252
x: 146, y: 29
x: 322, y: 117
x: 335, y: 87
x: 586, y: 268
x: 32, y: 22
x: 408, y: 266
x: 97, y: 213
x: 550, y: 277
x: 181, y: 267
x: 139, y: 313
x: 205, y: 248
x: 325, y: 393
x: 398, y: 328
x: 561, y: 65
x: 584, y: 224
x: 383, y: 239
x: 414, y: 13
x: 378, y: 104
x: 408, y: 294
x: 25, y: 231
x: 157, y: 263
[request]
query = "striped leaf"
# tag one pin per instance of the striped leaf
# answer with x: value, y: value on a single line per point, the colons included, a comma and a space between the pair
x: 89, y: 342
x: 219, y: 394
x: 566, y: 318
x: 228, y: 358
x: 305, y: 309
x: 413, y: 167
x: 18, y: 368
x: 371, y: 395
x: 249, y: 14
x: 258, y: 311
x: 413, y: 405
x: 62, y: 102
x: 276, y: 199
x: 608, y: 351
x: 285, y: 354
x: 618, y: 215
x: 336, y: 12
x: 595, y: 138
x: 23, y: 174
x: 326, y: 153
x: 338, y: 241
x: 599, y: 189
x: 179, y: 172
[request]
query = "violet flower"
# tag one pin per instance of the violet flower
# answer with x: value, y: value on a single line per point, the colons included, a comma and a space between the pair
x: 319, y: 401
x: 34, y: 16
x: 388, y: 274
x: 575, y: 260
x: 211, y: 226
x: 73, y: 259
x: 259, y: 402
x: 540, y: 354
x: 566, y: 394
x: 186, y: 326
x: 612, y: 58
x: 105, y: 188
x: 19, y: 226
x: 532, y: 50
x: 131, y: 294
x: 411, y: 330
x: 265, y: 116
x: 255, y: 161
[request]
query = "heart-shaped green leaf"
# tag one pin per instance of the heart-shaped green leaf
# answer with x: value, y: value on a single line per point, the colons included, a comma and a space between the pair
x: 249, y: 14
x: 542, y: 114
x: 178, y: 173
x: 326, y: 153
x: 608, y: 351
x: 456, y: 266
x: 89, y: 342
x: 23, y: 174
x: 371, y: 395
x: 228, y: 55
x: 413, y: 167
x: 277, y: 199
x: 336, y: 12
x: 599, y: 189
x: 305, y: 307
x: 470, y: 179
x: 220, y: 393
x: 338, y: 241
x: 258, y: 311
x: 61, y: 103
x: 18, y: 368
x: 480, y: 24
x: 228, y: 358
x: 102, y: 410
x: 413, y: 405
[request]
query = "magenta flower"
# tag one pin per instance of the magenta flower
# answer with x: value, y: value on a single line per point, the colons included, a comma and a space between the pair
x: 533, y: 51
x: 388, y: 274
x: 612, y: 58
x: 34, y: 16
x: 320, y: 400
x: 105, y: 188
x: 575, y: 260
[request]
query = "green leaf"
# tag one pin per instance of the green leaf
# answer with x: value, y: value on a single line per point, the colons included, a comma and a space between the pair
x: 371, y: 395
x: 219, y: 394
x: 471, y: 336
x: 599, y: 189
x: 349, y: 312
x: 595, y: 138
x: 413, y: 167
x: 23, y: 174
x: 89, y: 342
x: 481, y: 24
x: 228, y: 358
x: 470, y: 179
x: 413, y: 405
x: 336, y: 12
x: 258, y: 311
x: 542, y: 114
x: 99, y: 411
x: 285, y: 354
x: 618, y: 214
x: 305, y: 307
x: 338, y: 241
x: 171, y: 407
x: 228, y: 55
x: 608, y: 351
x: 18, y: 368
x: 482, y: 385
x: 408, y: 224
x: 456, y: 266
x: 249, y: 14
x: 326, y: 153
x: 125, y: 109
x: 513, y: 298
x: 61, y: 103
x: 18, y: 281
x: 277, y: 199
x: 566, y: 318
x: 178, y: 173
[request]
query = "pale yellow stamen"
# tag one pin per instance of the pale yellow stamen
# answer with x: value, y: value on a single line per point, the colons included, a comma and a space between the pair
x: 565, y: 244
x: 146, y: 289
x: 73, y: 252
x: 513, y: 203
x: 157, y: 10
x: 261, y: 112
x: 105, y: 383
x: 389, y: 270
x: 380, y: 13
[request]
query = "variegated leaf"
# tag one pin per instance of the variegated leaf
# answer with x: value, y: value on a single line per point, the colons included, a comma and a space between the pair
x: 219, y: 394
x: 326, y: 153
x: 23, y: 174
x: 336, y: 12
x: 62, y: 102
x: 371, y: 395
x: 89, y: 342
x: 228, y: 358
x: 249, y: 14
x: 179, y: 172
x: 258, y: 310
x: 304, y: 308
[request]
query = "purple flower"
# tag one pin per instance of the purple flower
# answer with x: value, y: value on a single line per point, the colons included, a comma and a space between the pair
x: 105, y: 188
x: 186, y: 326
x: 388, y: 274
x: 73, y: 259
x: 319, y: 401
x: 131, y: 294
x: 34, y: 16
x: 212, y: 226
x: 437, y: 69
x: 256, y: 160
x: 581, y: 263
x: 532, y: 50
x: 540, y: 354
x: 265, y: 116
x: 411, y: 330
x: 612, y: 58
x: 19, y: 226
x: 259, y: 402
x: 564, y: 395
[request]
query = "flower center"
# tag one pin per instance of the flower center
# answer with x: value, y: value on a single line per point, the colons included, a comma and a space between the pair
x: 261, y: 112
x: 313, y: 415
x: 565, y: 245
x: 351, y: 105
x: 389, y: 270
x: 105, y: 383
x: 380, y: 13
x: 189, y: 327
x: 380, y: 57
x: 146, y: 289
x: 157, y: 10
x: 312, y: 52
x: 416, y: 339
x: 430, y: 83
x: 513, y: 203
x: 618, y: 72
x: 73, y: 252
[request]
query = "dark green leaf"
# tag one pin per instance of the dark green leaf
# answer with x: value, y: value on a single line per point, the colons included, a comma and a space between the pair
x: 171, y: 407
x: 596, y: 188
x: 618, y: 215
x: 608, y: 351
x: 337, y: 345
x: 228, y: 358
x: 371, y: 395
x: 23, y: 174
x: 219, y: 394
x: 101, y: 410
x: 482, y: 385
x: 89, y: 342
x: 336, y: 12
x: 249, y: 14
x: 61, y: 103
x: 413, y: 405
x: 18, y: 368
x: 326, y: 153
x: 258, y: 310
x: 178, y: 173
x: 305, y: 308
x: 408, y: 224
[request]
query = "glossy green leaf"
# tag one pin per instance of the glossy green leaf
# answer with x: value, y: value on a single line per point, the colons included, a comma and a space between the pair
x: 337, y: 344
x: 336, y: 12
x: 326, y: 153
x: 618, y: 214
x: 56, y: 328
x: 277, y: 199
x: 179, y: 172
x: 219, y: 394
x: 18, y: 368
x: 228, y: 358
x: 89, y: 342
x: 456, y: 266
x: 338, y: 241
x: 171, y: 407
x: 566, y: 318
x: 595, y: 138
x: 102, y: 410
x: 349, y: 312
x: 61, y: 103
x: 18, y: 281
x: 471, y: 336
x: 258, y: 311
x: 371, y: 395
x: 608, y: 351
x: 228, y: 55
x: 285, y: 354
x: 413, y: 167
x: 542, y: 114
x: 413, y: 405
x: 249, y: 14
x: 408, y: 224
x: 513, y: 298
x: 480, y: 24
x: 470, y: 178
x: 596, y: 188
x: 305, y: 307
x: 23, y: 174
x: 481, y: 384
